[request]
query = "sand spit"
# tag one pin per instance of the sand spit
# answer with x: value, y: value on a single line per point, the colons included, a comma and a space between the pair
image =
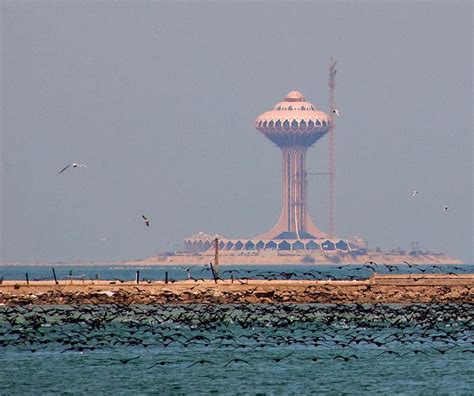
x: 378, y: 289
x: 269, y: 257
x: 273, y: 257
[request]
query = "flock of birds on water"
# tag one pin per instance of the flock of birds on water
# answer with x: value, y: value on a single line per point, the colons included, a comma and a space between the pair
x: 240, y: 335
x: 349, y: 272
x: 278, y: 332
x: 336, y: 273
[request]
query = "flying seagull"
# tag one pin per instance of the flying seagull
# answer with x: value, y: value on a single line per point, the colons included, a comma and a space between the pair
x: 445, y: 208
x: 146, y: 220
x: 414, y: 193
x: 336, y: 112
x: 74, y: 165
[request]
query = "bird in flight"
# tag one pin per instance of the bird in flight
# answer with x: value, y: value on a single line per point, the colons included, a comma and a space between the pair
x: 74, y: 165
x: 125, y: 361
x: 279, y: 359
x: 345, y: 358
x: 146, y: 220
x: 201, y: 362
x: 159, y: 364
x: 414, y: 193
x: 236, y: 360
x: 445, y: 208
x: 336, y: 112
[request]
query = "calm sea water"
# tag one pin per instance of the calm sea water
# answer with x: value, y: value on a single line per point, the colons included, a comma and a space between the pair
x: 237, y: 349
x: 106, y: 271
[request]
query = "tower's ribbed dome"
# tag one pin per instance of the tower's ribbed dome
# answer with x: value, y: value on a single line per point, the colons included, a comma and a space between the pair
x: 294, y: 96
x: 293, y: 120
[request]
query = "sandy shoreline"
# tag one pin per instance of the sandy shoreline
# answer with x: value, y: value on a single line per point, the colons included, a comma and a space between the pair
x: 262, y: 258
x: 271, y: 258
x: 377, y: 289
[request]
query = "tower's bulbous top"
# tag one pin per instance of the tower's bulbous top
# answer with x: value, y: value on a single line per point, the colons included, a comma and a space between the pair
x: 293, y: 121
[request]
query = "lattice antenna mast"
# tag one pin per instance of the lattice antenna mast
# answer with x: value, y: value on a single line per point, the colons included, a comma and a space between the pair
x: 332, y: 154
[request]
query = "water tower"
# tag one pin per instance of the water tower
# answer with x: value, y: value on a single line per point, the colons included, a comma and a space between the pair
x: 294, y: 125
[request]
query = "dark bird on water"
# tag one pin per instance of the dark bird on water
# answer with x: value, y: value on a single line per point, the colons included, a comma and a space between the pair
x: 366, y: 266
x: 202, y: 361
x: 125, y: 361
x: 415, y: 351
x: 159, y: 364
x: 442, y: 351
x: 409, y: 265
x: 345, y: 358
x: 279, y: 359
x: 236, y: 360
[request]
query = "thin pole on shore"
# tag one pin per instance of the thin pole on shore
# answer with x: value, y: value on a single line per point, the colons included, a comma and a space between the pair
x: 166, y: 277
x: 137, y: 277
x: 214, y: 275
x: 216, y: 257
x: 27, y: 279
x: 55, y: 279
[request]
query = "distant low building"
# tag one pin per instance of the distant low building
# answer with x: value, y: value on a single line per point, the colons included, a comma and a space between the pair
x: 202, y: 242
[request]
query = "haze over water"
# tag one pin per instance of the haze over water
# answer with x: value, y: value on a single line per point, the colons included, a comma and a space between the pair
x: 159, y: 100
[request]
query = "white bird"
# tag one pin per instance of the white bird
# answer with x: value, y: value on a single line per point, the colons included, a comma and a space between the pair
x: 74, y: 165
x: 414, y: 193
x: 146, y: 220
x: 445, y: 208
x: 336, y: 111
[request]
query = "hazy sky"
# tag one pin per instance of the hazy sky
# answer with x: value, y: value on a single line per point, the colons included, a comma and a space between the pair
x: 159, y: 100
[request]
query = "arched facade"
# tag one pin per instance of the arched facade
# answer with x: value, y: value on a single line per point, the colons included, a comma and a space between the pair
x: 202, y: 242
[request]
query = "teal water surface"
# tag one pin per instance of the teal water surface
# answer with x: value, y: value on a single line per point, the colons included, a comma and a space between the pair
x: 237, y: 349
x: 157, y: 273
